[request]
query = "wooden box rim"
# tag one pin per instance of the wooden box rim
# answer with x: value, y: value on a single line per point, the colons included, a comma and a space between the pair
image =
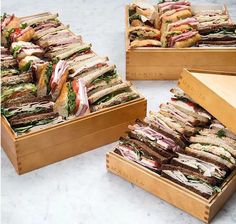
x: 15, y: 137
x: 184, y: 190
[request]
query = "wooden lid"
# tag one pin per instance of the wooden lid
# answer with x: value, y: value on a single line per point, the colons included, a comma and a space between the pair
x: 214, y: 91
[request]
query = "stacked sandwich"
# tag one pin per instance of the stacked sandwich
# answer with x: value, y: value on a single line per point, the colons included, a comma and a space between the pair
x: 173, y: 23
x: 179, y: 143
x: 216, y: 28
x: 162, y: 134
x: 97, y: 82
x: 178, y: 27
x: 20, y: 104
x: 49, y: 74
x: 143, y: 18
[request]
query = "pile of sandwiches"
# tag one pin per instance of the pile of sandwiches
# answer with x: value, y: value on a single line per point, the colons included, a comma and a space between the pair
x: 49, y: 75
x: 174, y: 24
x: 216, y: 28
x: 183, y: 143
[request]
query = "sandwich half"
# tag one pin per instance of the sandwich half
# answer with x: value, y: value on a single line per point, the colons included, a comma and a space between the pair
x: 140, y: 153
x: 114, y: 95
x: 72, y: 100
x: 191, y: 180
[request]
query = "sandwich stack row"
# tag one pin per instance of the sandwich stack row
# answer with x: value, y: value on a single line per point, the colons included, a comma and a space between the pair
x: 183, y: 143
x: 174, y: 24
x: 216, y: 28
x: 49, y: 74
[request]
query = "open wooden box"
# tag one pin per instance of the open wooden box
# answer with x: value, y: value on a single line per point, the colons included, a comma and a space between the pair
x: 151, y: 63
x: 37, y: 149
x: 216, y: 93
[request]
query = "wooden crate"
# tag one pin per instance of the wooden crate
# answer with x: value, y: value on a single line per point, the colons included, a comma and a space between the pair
x: 169, y: 191
x: 37, y: 149
x: 167, y: 63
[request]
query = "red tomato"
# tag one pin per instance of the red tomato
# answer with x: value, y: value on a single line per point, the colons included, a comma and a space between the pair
x: 191, y: 104
x: 17, y: 31
x: 87, y: 52
x: 99, y: 65
x: 75, y: 86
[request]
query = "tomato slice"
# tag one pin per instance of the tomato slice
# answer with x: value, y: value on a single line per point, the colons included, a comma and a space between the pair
x: 17, y: 31
x: 99, y: 65
x: 75, y: 86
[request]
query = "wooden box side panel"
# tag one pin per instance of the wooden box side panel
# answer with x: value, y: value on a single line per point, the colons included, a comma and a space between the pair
x: 167, y: 64
x: 80, y: 128
x: 158, y: 186
x: 8, y: 143
x: 208, y: 99
x: 127, y: 41
x: 65, y: 150
x: 222, y: 198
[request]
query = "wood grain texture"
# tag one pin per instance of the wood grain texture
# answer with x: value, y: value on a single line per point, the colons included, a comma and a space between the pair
x: 167, y: 63
x: 173, y: 193
x: 71, y: 138
x: 215, y: 92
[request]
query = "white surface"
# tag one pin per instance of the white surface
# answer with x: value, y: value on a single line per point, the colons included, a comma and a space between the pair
x: 80, y: 190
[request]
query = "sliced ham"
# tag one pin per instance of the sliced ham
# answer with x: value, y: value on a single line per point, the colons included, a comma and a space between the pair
x: 181, y: 37
x: 82, y: 98
x: 59, y: 34
x: 6, y: 21
x: 162, y: 140
x: 45, y: 26
x: 170, y: 7
x: 58, y: 72
x: 171, y: 12
x: 189, y: 21
x: 164, y: 4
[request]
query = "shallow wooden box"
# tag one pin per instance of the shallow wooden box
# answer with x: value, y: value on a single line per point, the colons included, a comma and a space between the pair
x: 37, y: 149
x: 167, y: 63
x: 216, y: 92
x: 167, y: 190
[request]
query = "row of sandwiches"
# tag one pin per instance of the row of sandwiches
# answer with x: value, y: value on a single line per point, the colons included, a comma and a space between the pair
x: 216, y: 28
x: 49, y: 74
x: 184, y: 144
x: 174, y: 24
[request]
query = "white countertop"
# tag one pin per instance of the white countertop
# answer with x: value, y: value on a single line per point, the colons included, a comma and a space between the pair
x: 79, y: 189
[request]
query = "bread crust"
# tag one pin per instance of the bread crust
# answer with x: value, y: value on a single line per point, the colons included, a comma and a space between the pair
x: 211, y: 180
x: 27, y: 36
x: 14, y: 23
x: 207, y: 196
x: 182, y: 27
x: 187, y: 130
x: 61, y: 102
x: 203, y: 157
x: 137, y: 22
x: 174, y: 17
x: 189, y: 42
x: 145, y: 43
x: 161, y: 151
x: 42, y: 88
x: 96, y: 96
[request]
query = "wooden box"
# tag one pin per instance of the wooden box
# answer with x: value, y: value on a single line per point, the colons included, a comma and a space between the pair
x: 167, y: 63
x: 216, y: 92
x: 37, y: 149
x: 169, y: 191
